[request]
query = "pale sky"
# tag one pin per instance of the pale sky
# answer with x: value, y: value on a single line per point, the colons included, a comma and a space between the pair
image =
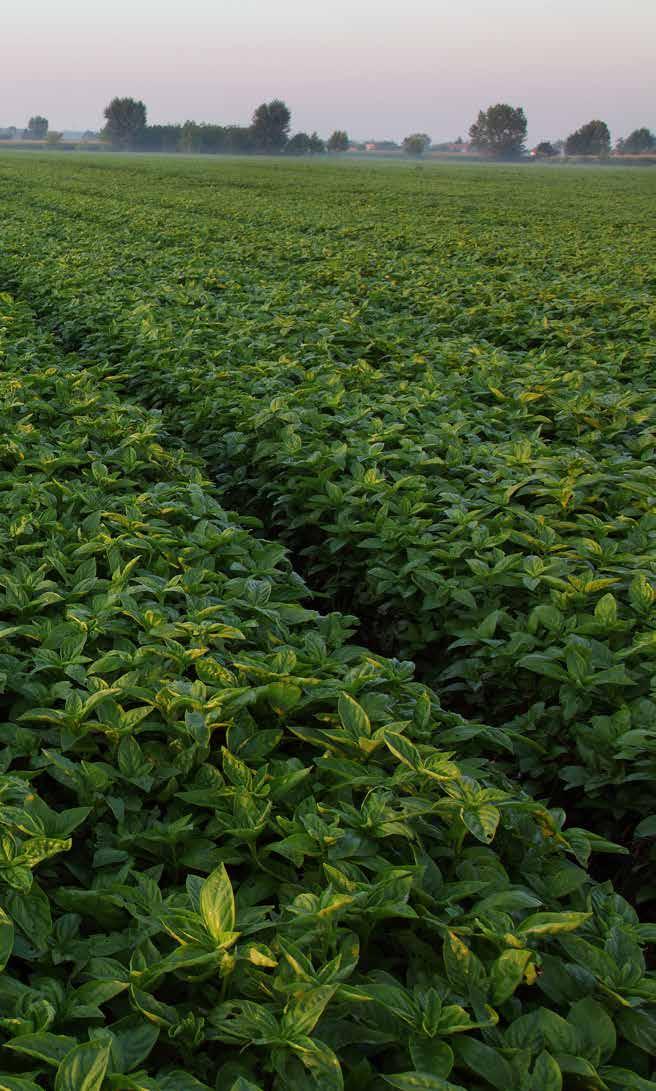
x: 378, y: 68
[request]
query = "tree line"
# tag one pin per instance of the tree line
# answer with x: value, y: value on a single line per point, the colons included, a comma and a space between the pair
x: 498, y: 133
x: 38, y: 129
x: 126, y: 129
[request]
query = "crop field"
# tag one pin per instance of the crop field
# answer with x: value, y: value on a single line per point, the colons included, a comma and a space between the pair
x: 328, y: 618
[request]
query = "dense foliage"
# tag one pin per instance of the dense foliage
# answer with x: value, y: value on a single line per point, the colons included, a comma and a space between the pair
x: 460, y: 450
x: 637, y: 142
x: 214, y: 808
x: 263, y: 855
x: 125, y: 122
x: 338, y: 141
x: 268, y: 132
x: 270, y: 125
x: 416, y: 144
x: 499, y: 131
x: 590, y: 139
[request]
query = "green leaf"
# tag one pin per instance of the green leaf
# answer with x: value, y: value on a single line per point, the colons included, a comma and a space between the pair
x: 320, y: 1060
x: 51, y: 1048
x: 546, y: 1074
x: 217, y: 904
x: 541, y: 1028
x: 463, y: 969
x: 541, y: 664
x: 17, y: 1083
x: 422, y: 710
x: 606, y: 609
x: 421, y: 1081
x: 622, y: 1079
x: 639, y: 1028
x: 596, y: 1029
x: 403, y: 749
x: 307, y: 1009
x: 84, y: 1068
x: 550, y: 924
x: 486, y: 1062
x: 431, y: 1055
x: 95, y: 993
x: 507, y: 972
x: 283, y: 696
x: 6, y: 938
x: 354, y: 718
x: 134, y: 1038
x: 180, y: 1081
x: 642, y: 593
x: 577, y: 1066
x: 646, y: 828
x: 482, y: 821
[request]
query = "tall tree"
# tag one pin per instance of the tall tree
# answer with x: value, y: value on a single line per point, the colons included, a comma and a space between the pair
x: 37, y: 128
x: 590, y: 139
x: 499, y: 131
x: 416, y: 144
x: 125, y: 122
x: 270, y: 125
x: 338, y: 141
x: 637, y: 142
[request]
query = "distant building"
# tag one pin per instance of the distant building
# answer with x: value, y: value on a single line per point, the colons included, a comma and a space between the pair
x: 451, y: 146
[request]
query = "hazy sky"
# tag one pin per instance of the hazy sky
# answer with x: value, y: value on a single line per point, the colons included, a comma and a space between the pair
x: 379, y: 68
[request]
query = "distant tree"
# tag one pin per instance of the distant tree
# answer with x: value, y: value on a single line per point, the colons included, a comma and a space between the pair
x: 302, y: 144
x: 37, y: 128
x: 126, y: 121
x: 338, y: 141
x: 240, y: 139
x: 53, y: 137
x: 637, y: 142
x: 590, y: 139
x: 317, y: 145
x: 270, y: 125
x: 499, y: 131
x: 545, y: 150
x: 213, y: 139
x: 299, y: 144
x: 416, y: 143
x: 190, y: 137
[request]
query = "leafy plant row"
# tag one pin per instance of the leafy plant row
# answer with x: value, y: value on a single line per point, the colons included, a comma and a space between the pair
x: 236, y: 850
x: 486, y: 506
